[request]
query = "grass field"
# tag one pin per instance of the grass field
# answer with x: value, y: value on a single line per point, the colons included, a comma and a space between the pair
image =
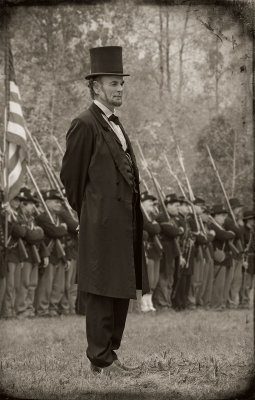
x: 191, y: 354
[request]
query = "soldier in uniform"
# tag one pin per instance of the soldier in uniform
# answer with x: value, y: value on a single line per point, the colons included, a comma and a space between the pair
x: 199, y: 259
x: 51, y: 283
x: 205, y: 293
x: 32, y: 241
x: 2, y: 253
x: 100, y: 175
x: 184, y: 271
x: 234, y: 273
x: 153, y: 251
x: 171, y: 232
x: 249, y: 261
x: 16, y: 254
x: 67, y: 303
x: 221, y: 254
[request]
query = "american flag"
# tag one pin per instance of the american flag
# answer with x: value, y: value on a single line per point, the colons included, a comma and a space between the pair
x: 16, y: 137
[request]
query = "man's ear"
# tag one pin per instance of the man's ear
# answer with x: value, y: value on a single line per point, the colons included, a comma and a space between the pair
x: 96, y: 87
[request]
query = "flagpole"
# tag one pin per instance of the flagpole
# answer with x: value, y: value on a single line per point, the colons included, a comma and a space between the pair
x: 6, y: 113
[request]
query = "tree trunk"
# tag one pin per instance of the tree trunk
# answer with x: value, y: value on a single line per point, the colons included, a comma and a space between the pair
x: 217, y: 77
x: 234, y: 164
x: 168, y: 72
x: 161, y: 60
x: 181, y: 55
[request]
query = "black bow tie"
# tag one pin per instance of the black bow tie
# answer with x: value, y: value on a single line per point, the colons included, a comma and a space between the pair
x: 114, y: 119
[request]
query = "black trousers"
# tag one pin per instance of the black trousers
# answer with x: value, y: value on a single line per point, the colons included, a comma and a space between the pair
x: 105, y: 323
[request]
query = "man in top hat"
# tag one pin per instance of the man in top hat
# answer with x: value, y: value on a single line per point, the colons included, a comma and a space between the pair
x: 101, y: 179
x: 234, y: 273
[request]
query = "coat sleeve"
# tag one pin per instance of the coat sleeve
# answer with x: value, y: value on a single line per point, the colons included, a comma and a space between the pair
x: 222, y: 234
x: 34, y: 235
x: 71, y: 222
x: 76, y: 161
x: 51, y: 230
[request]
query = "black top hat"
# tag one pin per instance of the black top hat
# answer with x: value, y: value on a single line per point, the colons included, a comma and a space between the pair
x: 26, y: 195
x: 234, y: 202
x: 106, y: 61
x: 218, y: 209
x: 51, y: 194
x: 146, y: 196
x: 171, y: 198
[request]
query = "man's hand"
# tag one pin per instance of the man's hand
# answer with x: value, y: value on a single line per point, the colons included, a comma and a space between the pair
x: 46, y: 261
x: 67, y: 265
x: 182, y: 261
x: 64, y: 225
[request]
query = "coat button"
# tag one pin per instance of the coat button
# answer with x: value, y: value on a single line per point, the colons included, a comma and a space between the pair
x: 119, y: 198
x: 118, y: 182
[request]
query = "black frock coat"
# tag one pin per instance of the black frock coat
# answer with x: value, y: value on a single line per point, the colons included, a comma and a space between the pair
x: 96, y: 176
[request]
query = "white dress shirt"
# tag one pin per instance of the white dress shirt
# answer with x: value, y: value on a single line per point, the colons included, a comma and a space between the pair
x: 116, y: 128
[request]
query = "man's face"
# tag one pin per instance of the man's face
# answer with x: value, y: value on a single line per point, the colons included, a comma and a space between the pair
x: 198, y: 209
x: 173, y: 208
x: 15, y: 203
x: 183, y: 208
x: 238, y: 211
x: 220, y: 218
x: 109, y: 91
x: 28, y: 207
x: 149, y: 206
x: 54, y: 205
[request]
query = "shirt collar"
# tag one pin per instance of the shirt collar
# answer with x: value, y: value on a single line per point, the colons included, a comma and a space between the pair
x: 105, y: 109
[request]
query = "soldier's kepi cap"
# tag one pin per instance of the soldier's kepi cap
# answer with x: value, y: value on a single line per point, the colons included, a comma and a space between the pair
x: 218, y: 209
x: 147, y: 196
x: 51, y: 194
x: 199, y: 201
x: 106, y: 60
x: 182, y: 200
x: 26, y: 195
x: 249, y: 214
x: 171, y: 198
x: 235, y: 203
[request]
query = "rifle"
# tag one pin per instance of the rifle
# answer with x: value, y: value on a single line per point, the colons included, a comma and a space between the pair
x: 192, y: 198
x: 239, y: 244
x: 58, y: 146
x: 175, y: 177
x: 51, y: 175
x: 160, y: 196
x: 59, y: 248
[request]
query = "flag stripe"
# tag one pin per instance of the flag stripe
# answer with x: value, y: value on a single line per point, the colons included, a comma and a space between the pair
x: 14, y: 88
x: 16, y: 129
x: 15, y: 108
x: 15, y: 135
x: 14, y: 97
x: 17, y: 119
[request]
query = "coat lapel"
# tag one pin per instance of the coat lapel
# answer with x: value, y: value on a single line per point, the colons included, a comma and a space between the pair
x: 132, y: 155
x: 112, y: 142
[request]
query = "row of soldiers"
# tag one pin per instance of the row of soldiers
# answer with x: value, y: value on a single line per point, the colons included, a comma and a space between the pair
x: 198, y: 257
x: 38, y: 265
